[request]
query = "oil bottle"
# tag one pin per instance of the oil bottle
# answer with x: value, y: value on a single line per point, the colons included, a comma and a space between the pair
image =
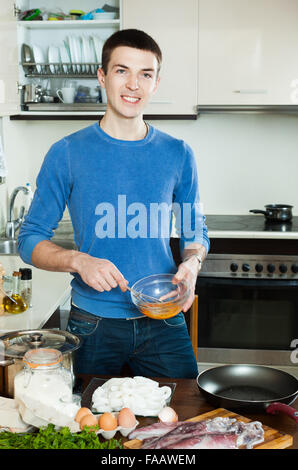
x: 14, y: 303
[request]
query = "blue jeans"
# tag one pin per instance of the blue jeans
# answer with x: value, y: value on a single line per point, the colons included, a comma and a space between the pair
x: 152, y: 348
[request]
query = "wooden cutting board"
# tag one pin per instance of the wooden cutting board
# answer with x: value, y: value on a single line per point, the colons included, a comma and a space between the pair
x: 273, y: 439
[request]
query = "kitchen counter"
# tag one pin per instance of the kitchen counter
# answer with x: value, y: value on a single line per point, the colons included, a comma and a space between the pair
x: 188, y: 402
x: 250, y: 226
x: 49, y: 291
x: 224, y: 226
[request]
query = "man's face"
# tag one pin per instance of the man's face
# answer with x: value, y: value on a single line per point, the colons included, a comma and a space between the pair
x: 130, y: 81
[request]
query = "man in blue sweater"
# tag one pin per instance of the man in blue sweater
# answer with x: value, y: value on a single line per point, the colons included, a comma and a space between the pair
x: 121, y: 179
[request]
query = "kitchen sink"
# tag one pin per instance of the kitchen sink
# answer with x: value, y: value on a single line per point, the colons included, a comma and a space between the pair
x: 10, y: 247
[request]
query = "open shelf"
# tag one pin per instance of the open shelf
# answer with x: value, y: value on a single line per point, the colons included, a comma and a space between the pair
x: 68, y: 24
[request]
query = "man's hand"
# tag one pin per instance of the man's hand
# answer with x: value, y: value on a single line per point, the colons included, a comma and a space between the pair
x: 100, y: 274
x: 188, y: 271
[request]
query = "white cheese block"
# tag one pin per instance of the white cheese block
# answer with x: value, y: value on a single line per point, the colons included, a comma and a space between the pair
x: 44, y: 415
x: 10, y: 416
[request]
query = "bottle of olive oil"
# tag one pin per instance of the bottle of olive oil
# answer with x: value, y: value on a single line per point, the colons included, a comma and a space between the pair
x: 14, y: 303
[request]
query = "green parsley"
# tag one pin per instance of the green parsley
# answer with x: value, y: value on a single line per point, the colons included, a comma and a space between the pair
x: 50, y: 438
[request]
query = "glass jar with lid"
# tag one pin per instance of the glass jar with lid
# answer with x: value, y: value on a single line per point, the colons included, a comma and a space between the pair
x: 44, y: 384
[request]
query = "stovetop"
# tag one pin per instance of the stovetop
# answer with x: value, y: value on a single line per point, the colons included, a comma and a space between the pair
x: 249, y: 223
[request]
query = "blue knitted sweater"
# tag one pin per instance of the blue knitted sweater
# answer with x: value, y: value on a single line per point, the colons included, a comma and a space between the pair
x: 120, y: 196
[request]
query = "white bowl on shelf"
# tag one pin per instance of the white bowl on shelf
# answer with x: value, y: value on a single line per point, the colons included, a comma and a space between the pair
x: 105, y: 16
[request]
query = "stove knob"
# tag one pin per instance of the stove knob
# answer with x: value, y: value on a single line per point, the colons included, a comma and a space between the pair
x: 245, y: 267
x: 259, y: 268
x: 283, y: 268
x: 271, y: 268
x: 234, y: 267
x: 294, y: 268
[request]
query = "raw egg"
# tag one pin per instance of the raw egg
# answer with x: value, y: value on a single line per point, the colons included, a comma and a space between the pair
x: 81, y: 413
x: 126, y: 418
x: 89, y: 420
x: 107, y: 422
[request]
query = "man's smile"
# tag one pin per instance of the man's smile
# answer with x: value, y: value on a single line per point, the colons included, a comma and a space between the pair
x: 130, y: 99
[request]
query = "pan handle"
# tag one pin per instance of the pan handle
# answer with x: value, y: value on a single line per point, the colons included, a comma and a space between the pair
x: 258, y: 211
x: 283, y: 408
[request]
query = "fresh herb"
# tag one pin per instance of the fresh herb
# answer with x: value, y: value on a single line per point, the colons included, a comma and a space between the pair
x: 50, y: 438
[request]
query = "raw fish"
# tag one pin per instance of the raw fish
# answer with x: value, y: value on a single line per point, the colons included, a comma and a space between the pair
x: 153, y: 430
x: 207, y: 441
x: 217, y: 433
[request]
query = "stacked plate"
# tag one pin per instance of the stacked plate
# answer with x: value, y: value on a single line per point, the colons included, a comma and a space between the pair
x: 77, y: 54
x: 84, y: 52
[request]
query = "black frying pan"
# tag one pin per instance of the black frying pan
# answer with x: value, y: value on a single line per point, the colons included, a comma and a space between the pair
x: 250, y: 387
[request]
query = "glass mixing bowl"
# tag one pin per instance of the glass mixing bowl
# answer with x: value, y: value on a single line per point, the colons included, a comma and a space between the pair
x: 171, y: 297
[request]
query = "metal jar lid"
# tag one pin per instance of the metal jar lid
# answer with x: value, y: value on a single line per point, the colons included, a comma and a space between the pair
x: 17, y: 343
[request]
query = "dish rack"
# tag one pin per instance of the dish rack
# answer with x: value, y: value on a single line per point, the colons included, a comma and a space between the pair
x: 60, y: 69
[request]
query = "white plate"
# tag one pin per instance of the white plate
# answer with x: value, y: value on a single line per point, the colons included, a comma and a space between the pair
x: 75, y: 52
x: 92, y: 53
x: 72, y: 52
x: 53, y: 57
x: 64, y: 57
x: 98, y: 45
x: 86, y: 52
x: 78, y: 52
x: 38, y: 56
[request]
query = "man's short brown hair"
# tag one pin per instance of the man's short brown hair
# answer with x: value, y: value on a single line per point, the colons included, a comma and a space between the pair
x: 130, y: 38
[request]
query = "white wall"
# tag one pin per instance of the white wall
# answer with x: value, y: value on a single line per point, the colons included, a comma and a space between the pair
x: 244, y: 160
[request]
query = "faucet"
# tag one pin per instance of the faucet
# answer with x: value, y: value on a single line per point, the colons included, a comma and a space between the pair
x: 13, y: 225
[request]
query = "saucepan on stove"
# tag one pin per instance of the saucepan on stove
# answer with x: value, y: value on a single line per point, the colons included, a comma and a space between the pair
x: 276, y: 212
x: 250, y: 387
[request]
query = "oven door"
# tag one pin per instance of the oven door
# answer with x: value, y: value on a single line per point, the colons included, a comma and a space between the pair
x: 247, y: 320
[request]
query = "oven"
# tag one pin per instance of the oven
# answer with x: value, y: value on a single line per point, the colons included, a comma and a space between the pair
x: 248, y: 310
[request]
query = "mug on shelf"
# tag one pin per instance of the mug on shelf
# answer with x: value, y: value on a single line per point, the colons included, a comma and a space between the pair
x: 66, y: 94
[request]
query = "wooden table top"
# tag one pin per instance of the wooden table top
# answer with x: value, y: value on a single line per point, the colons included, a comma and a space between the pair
x: 189, y: 402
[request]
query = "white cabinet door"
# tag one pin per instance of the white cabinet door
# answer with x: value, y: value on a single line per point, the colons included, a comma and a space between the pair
x: 9, y: 98
x: 174, y: 25
x: 248, y: 52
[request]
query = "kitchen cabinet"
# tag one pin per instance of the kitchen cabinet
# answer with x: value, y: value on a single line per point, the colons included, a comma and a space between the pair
x: 174, y: 25
x: 9, y: 101
x: 48, y: 73
x: 248, y: 52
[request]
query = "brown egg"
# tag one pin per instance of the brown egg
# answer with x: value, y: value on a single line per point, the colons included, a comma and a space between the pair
x: 81, y: 413
x: 107, y: 422
x: 89, y: 420
x: 126, y: 418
